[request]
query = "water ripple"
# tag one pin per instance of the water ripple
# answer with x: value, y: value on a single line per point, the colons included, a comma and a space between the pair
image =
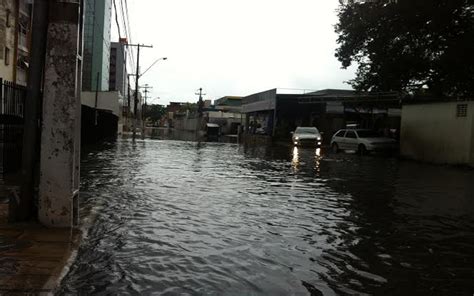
x: 182, y: 218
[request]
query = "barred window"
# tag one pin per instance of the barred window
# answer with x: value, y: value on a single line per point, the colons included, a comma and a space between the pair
x: 461, y: 110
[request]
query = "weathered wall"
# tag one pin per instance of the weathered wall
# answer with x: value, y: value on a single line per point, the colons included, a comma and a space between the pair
x: 186, y: 124
x: 61, y: 120
x: 432, y: 132
x: 7, y: 38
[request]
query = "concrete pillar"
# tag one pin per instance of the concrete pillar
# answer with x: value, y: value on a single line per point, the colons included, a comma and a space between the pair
x: 59, y: 163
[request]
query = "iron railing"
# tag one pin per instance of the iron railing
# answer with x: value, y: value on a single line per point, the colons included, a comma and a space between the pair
x: 12, y: 114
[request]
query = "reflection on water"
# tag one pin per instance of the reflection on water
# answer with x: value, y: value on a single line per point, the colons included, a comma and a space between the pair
x: 182, y: 218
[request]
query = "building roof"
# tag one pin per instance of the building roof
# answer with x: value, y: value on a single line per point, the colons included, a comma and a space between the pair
x: 332, y: 92
x: 229, y: 101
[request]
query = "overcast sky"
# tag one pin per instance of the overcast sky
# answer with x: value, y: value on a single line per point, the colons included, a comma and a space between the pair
x: 235, y: 47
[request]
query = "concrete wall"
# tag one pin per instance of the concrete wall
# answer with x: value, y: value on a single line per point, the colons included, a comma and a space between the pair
x: 186, y: 124
x: 432, y: 132
x: 108, y: 100
x: 60, y: 136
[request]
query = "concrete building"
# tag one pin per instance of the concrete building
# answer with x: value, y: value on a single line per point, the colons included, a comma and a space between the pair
x: 97, y: 23
x: 277, y: 112
x: 229, y: 103
x: 15, y: 24
x: 101, y: 116
x: 227, y: 114
x: 118, y: 67
x: 438, y: 132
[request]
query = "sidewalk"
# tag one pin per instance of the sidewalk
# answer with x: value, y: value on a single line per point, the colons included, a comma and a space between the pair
x: 33, y: 258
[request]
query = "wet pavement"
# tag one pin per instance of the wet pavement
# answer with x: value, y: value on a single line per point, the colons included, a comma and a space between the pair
x: 187, y: 218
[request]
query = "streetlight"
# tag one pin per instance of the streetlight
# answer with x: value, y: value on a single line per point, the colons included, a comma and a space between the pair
x: 146, y: 87
x: 137, y: 76
x: 163, y: 58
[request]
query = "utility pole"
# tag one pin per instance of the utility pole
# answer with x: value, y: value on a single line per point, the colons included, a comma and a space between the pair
x: 128, y: 99
x: 96, y: 114
x: 146, y: 87
x: 200, y: 102
x: 129, y: 107
x: 200, y: 124
x: 137, y: 75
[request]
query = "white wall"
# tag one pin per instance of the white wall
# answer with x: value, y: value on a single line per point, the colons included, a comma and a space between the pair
x: 106, y: 100
x: 432, y: 132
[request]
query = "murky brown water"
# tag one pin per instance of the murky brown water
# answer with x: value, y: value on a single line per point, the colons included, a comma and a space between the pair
x: 182, y: 218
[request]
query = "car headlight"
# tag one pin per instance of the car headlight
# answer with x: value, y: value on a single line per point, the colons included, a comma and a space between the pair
x: 297, y: 138
x: 319, y: 138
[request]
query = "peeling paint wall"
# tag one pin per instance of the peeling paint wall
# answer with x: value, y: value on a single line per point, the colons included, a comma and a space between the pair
x: 61, y: 123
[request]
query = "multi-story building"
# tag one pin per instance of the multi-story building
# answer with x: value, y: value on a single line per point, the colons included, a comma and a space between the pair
x: 15, y: 25
x: 97, y: 23
x: 118, y: 70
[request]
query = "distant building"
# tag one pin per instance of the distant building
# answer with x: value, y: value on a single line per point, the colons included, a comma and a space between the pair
x: 229, y: 103
x: 227, y: 114
x: 118, y: 68
x: 96, y: 62
x: 438, y: 132
x: 276, y: 112
x: 15, y: 35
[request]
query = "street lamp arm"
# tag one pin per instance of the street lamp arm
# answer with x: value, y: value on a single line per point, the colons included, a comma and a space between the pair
x: 164, y: 59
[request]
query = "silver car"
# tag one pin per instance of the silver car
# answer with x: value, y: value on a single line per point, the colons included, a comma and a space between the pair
x: 306, y: 135
x: 361, y: 140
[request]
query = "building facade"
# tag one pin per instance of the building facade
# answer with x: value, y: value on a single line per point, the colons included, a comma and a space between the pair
x: 97, y: 26
x: 15, y: 28
x: 118, y: 70
x: 276, y: 113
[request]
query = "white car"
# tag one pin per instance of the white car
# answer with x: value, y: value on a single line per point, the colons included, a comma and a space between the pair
x: 361, y: 140
x: 306, y: 136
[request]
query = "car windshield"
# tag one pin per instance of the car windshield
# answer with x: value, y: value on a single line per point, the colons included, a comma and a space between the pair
x: 307, y: 130
x: 368, y: 134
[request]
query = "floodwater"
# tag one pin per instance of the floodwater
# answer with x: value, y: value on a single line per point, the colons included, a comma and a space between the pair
x: 187, y: 218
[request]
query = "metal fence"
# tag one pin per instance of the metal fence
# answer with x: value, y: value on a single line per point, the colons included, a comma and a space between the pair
x: 12, y: 113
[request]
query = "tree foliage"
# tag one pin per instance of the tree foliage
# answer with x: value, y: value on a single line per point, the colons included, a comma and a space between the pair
x: 407, y: 45
x: 154, y: 113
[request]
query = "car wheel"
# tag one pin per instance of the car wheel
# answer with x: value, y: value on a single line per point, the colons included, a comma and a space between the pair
x: 335, y: 148
x: 362, y: 150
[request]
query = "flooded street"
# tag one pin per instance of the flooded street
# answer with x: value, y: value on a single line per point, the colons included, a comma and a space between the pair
x: 187, y: 218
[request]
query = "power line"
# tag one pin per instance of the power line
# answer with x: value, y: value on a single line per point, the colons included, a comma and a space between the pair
x: 127, y: 32
x: 125, y: 9
x: 116, y: 21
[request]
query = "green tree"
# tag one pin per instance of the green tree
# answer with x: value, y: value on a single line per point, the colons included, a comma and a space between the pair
x: 154, y: 113
x: 407, y: 45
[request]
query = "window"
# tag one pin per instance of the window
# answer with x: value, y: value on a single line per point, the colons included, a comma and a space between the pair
x: 461, y: 110
x: 351, y: 134
x: 7, y: 56
x: 339, y: 133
